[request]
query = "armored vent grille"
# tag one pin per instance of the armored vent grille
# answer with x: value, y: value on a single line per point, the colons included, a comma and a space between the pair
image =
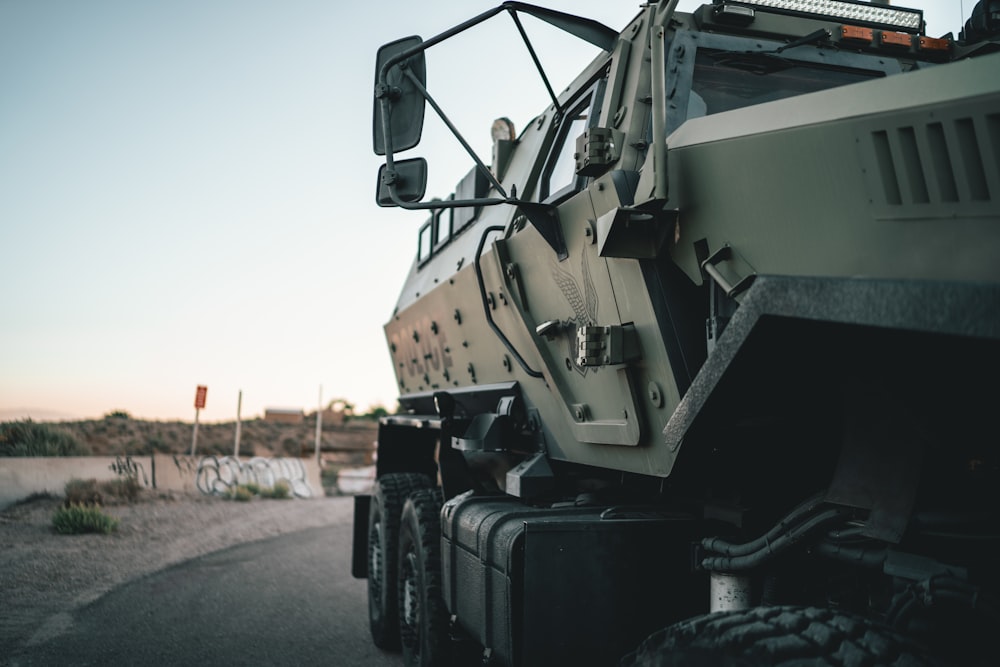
x: 944, y: 163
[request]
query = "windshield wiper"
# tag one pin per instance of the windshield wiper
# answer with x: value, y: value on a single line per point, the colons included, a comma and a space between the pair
x: 756, y: 62
x: 766, y: 62
x: 811, y: 38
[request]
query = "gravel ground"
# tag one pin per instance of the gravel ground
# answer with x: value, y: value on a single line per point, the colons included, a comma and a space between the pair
x: 44, y: 576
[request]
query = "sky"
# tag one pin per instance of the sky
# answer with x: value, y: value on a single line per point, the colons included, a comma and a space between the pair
x: 187, y: 192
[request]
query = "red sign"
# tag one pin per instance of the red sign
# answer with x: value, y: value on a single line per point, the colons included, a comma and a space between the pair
x: 199, y: 396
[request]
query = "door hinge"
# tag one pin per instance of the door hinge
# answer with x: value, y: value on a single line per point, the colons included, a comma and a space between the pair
x: 606, y: 345
x: 597, y: 149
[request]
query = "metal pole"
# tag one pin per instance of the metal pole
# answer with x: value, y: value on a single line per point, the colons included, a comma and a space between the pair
x: 194, y: 436
x: 319, y: 423
x: 239, y: 406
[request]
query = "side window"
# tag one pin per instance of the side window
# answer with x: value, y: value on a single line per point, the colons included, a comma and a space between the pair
x: 442, y: 226
x: 434, y: 234
x: 560, y: 176
x: 425, y: 246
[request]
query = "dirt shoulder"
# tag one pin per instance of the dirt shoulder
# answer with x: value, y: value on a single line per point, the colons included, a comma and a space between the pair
x: 44, y: 576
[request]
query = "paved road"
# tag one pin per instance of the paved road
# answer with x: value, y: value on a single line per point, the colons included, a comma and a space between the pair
x: 289, y: 600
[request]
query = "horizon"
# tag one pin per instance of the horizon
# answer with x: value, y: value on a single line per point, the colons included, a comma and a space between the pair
x: 21, y: 413
x: 28, y: 414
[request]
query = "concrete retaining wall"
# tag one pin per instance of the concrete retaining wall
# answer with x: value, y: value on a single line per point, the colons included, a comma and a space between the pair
x: 21, y: 477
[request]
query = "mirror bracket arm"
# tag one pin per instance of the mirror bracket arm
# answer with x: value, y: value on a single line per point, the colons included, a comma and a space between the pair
x: 458, y: 135
x: 385, y: 91
x: 386, y: 103
x: 534, y: 57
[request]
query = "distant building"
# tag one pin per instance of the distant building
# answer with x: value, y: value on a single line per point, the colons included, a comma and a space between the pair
x: 284, y: 415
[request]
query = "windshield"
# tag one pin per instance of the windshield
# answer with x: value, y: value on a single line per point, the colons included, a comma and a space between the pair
x: 725, y: 80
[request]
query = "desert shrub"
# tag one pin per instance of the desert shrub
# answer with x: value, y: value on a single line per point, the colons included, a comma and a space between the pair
x: 374, y: 414
x: 128, y: 447
x: 224, y: 448
x: 28, y: 438
x: 252, y: 487
x: 240, y: 493
x: 280, y: 491
x: 37, y: 495
x: 118, y: 414
x: 75, y: 519
x: 217, y: 448
x: 158, y: 445
x: 125, y: 487
x: 291, y: 447
x: 329, y: 477
x: 82, y: 492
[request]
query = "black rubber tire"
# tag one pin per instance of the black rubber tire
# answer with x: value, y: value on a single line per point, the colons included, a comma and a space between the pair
x: 777, y: 636
x: 388, y: 495
x: 423, y: 618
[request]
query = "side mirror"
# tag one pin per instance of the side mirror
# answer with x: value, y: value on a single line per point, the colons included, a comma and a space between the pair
x: 409, y: 179
x: 406, y: 102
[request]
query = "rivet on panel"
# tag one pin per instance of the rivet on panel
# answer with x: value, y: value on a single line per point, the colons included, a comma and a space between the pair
x: 655, y: 395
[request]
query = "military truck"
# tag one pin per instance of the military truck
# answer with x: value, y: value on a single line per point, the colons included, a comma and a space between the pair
x: 700, y: 366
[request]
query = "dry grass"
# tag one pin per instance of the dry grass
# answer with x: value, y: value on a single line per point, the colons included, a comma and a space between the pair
x: 117, y: 435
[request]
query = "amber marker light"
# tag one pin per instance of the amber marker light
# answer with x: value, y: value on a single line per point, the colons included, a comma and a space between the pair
x: 935, y: 44
x: 900, y: 39
x: 853, y: 33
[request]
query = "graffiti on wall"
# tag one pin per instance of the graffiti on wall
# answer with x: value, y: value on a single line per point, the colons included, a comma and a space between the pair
x: 126, y: 466
x: 217, y: 475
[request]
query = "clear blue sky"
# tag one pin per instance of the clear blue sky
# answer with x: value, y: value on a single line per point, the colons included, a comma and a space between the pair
x: 186, y: 193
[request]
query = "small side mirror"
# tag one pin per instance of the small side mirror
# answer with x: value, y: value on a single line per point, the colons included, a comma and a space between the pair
x: 406, y: 102
x: 409, y: 177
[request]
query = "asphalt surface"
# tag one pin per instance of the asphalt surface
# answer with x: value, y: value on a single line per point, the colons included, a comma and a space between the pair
x: 288, y: 600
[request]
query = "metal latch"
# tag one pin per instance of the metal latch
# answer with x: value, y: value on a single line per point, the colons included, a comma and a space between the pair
x: 606, y: 345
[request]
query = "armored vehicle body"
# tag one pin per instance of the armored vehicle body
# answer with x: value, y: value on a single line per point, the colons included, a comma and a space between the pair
x: 707, y: 353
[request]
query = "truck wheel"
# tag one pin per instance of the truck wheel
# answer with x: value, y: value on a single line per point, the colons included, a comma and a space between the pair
x: 388, y: 495
x: 423, y: 620
x: 776, y: 636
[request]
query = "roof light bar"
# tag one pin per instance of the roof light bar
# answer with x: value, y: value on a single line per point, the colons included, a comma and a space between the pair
x: 880, y: 16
